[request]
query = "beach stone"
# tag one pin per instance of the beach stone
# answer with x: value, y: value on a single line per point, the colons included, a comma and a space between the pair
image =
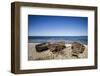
x: 77, y: 48
x: 41, y: 47
x: 56, y: 46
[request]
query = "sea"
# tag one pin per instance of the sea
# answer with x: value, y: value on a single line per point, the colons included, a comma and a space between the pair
x: 66, y: 39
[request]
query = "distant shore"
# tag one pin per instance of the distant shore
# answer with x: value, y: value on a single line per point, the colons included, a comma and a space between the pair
x: 46, y: 55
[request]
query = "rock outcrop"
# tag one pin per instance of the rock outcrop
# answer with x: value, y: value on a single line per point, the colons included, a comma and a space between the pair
x: 57, y: 46
x: 77, y: 48
x: 41, y: 47
x: 52, y: 46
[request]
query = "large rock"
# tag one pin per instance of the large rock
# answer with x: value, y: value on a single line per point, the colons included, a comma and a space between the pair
x: 41, y: 47
x: 52, y: 46
x: 77, y: 48
x: 56, y: 46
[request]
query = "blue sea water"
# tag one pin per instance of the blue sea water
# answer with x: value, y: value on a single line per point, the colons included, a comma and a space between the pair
x: 66, y: 39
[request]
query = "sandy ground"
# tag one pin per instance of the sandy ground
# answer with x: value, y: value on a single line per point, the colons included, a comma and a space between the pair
x: 66, y: 53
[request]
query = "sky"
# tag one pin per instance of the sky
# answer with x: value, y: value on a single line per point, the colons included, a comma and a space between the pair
x: 45, y: 25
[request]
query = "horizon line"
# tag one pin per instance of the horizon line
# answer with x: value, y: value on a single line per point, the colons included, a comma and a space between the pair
x: 82, y: 35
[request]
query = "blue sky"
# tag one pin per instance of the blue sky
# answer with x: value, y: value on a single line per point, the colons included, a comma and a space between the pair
x: 43, y: 25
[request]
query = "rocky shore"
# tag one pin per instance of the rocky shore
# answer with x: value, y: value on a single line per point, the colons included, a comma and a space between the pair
x: 56, y: 50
